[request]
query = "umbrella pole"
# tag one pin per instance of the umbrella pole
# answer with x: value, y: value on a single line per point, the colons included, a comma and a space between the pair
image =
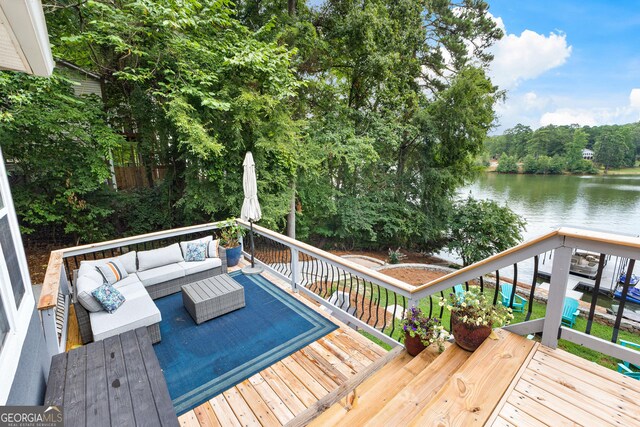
x: 252, y: 269
x: 252, y: 247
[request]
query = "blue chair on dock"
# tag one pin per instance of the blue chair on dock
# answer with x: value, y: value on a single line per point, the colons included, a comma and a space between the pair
x: 626, y: 368
x: 570, y: 311
x: 459, y: 291
x: 519, y: 303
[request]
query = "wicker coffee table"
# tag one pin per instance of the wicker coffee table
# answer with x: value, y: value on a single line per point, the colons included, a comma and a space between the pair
x: 212, y: 297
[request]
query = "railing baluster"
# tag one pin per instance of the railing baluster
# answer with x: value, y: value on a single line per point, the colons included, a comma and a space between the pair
x: 357, y: 293
x: 481, y: 284
x: 495, y: 293
x: 515, y: 285
x: 385, y: 312
x: 533, y: 288
x: 441, y: 308
x: 393, y: 317
x: 370, y: 303
x: 623, y: 300
x: 430, y: 306
x: 377, y: 307
x: 594, y: 295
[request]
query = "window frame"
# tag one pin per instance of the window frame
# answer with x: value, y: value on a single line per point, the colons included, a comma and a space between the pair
x: 18, y: 318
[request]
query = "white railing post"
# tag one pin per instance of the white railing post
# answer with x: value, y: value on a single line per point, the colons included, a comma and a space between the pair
x: 48, y: 317
x: 295, y: 269
x: 557, y: 292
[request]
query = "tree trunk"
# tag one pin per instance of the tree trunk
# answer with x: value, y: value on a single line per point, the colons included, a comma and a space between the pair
x: 291, y: 217
x: 291, y: 7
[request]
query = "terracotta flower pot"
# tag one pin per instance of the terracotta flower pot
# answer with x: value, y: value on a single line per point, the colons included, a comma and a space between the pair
x: 413, y: 344
x: 467, y: 336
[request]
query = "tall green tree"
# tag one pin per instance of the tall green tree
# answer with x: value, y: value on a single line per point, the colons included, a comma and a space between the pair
x: 59, y: 143
x: 610, y: 149
x: 194, y: 89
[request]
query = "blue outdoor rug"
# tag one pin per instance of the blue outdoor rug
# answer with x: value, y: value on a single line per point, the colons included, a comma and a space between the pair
x: 200, y: 361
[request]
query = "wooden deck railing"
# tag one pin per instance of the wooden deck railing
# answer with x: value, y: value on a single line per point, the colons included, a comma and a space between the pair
x: 355, y: 292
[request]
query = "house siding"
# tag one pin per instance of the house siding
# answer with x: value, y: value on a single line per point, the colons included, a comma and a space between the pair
x: 29, y: 383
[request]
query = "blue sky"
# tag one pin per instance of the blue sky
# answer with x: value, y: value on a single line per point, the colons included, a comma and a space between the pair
x: 578, y: 62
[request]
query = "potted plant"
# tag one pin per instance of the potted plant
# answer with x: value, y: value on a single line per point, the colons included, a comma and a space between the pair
x: 473, y: 316
x: 421, y: 331
x: 230, y: 236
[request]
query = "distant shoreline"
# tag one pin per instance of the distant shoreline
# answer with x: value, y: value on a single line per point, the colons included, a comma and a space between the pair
x: 623, y: 171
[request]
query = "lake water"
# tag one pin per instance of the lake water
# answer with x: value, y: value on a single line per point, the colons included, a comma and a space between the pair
x: 607, y: 203
x: 604, y: 203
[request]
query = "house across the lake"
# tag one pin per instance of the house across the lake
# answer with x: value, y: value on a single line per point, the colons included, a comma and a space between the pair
x: 587, y: 154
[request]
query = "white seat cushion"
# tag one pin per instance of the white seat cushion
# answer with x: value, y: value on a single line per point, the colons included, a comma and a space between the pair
x: 198, y: 266
x: 132, y: 314
x: 161, y: 274
x: 132, y: 278
x: 132, y: 290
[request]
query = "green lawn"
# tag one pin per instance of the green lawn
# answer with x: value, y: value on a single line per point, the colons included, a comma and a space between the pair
x: 539, y: 309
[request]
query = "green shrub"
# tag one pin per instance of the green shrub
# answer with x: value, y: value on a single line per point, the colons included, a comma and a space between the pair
x: 507, y: 164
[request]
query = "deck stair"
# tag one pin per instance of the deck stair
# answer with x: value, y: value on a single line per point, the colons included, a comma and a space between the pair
x: 455, y: 388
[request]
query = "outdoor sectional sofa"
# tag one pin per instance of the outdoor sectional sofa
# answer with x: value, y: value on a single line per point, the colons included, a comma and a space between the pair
x: 151, y: 275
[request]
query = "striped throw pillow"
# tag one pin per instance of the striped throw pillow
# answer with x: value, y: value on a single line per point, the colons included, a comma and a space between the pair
x: 212, y: 249
x: 112, y: 271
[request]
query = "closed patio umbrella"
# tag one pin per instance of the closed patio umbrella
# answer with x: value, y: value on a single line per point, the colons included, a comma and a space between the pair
x: 250, y: 207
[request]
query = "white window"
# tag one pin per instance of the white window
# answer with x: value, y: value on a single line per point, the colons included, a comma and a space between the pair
x: 16, y: 297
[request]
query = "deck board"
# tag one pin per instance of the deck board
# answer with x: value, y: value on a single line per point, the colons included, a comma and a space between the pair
x: 561, y: 389
x: 470, y: 396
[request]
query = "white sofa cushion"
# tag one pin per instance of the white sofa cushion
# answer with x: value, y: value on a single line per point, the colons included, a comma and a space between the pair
x: 86, y: 285
x: 161, y: 274
x: 132, y: 278
x: 127, y: 260
x: 131, y: 287
x: 198, y: 266
x: 132, y: 314
x: 159, y: 258
x: 183, y: 245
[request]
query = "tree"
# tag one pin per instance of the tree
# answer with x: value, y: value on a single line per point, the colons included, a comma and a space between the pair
x: 192, y: 88
x: 529, y: 164
x: 481, y: 228
x: 507, y: 164
x: 610, y: 148
x: 59, y: 143
x: 574, y: 150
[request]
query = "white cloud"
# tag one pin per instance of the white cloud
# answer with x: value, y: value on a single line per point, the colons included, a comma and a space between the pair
x: 634, y: 98
x: 527, y: 56
x: 596, y: 115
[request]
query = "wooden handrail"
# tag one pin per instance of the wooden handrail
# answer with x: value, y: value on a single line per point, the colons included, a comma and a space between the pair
x: 488, y: 260
x: 600, y: 237
x: 51, y: 283
x: 312, y: 250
